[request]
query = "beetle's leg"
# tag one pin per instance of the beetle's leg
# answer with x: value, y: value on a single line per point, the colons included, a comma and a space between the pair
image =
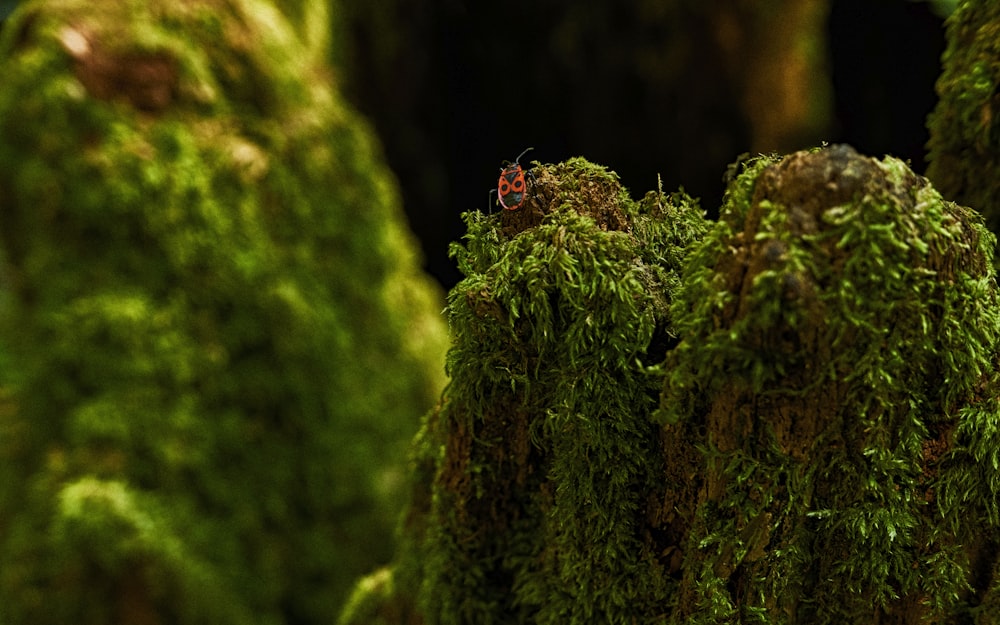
x: 490, y: 201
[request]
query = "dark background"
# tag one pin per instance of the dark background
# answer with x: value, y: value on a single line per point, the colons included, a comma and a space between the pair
x: 454, y: 88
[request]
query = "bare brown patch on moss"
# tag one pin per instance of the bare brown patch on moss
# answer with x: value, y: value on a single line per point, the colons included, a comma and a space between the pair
x: 591, y: 191
x: 454, y: 475
x: 672, y: 511
x: 148, y: 80
x: 808, y: 183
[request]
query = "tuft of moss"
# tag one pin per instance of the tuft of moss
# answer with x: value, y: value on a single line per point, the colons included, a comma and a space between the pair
x: 217, y: 340
x: 964, y: 146
x: 834, y: 392
x: 541, y: 459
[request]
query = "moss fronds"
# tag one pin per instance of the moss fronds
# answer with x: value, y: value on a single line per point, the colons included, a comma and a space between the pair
x: 839, y: 327
x: 548, y: 458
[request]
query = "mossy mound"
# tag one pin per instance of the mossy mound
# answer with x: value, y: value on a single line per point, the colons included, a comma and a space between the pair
x: 590, y: 191
x: 542, y: 459
x: 964, y: 146
x: 217, y: 341
x: 834, y: 392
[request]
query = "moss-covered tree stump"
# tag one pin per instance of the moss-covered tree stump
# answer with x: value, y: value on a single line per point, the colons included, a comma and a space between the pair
x: 834, y: 391
x: 789, y: 419
x: 216, y: 341
x: 543, y: 445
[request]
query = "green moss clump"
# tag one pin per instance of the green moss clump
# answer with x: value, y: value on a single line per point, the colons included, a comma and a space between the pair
x: 964, y: 147
x: 837, y: 379
x: 217, y: 341
x: 542, y: 459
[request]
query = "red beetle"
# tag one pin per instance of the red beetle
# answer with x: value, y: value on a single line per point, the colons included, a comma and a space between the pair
x: 512, y: 188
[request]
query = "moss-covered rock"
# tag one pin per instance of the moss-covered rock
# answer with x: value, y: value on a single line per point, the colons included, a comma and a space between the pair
x: 964, y: 148
x: 217, y: 341
x: 835, y: 394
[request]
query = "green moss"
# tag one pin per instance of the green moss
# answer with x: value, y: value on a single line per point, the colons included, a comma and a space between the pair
x: 557, y: 326
x: 964, y: 146
x: 311, y: 20
x: 827, y: 449
x: 372, y: 597
x: 217, y: 338
x: 839, y: 328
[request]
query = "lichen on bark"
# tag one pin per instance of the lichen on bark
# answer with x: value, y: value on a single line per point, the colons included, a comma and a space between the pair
x: 213, y: 322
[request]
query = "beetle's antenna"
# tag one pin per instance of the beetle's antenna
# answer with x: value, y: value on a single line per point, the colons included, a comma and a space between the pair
x: 518, y: 159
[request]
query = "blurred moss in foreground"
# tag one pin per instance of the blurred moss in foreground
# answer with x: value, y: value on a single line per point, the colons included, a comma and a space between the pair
x: 964, y: 148
x: 217, y: 338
